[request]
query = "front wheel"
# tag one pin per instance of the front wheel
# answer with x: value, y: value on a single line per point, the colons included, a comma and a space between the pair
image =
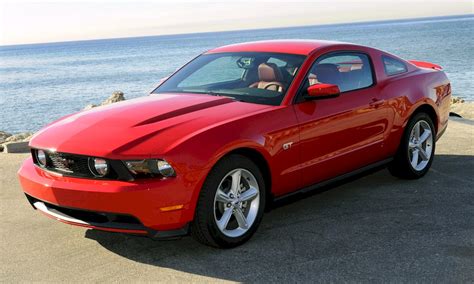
x: 417, y: 148
x: 231, y: 203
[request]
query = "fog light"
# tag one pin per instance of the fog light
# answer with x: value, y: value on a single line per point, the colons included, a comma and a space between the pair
x: 99, y: 167
x: 41, y: 157
x: 165, y: 169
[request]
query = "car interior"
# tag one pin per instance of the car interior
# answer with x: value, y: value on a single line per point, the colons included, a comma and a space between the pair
x: 269, y: 78
x: 265, y: 78
x: 347, y: 76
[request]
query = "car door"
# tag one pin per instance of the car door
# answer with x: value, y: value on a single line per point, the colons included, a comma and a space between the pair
x: 339, y: 135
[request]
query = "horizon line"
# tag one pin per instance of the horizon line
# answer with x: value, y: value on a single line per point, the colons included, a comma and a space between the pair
x: 418, y: 19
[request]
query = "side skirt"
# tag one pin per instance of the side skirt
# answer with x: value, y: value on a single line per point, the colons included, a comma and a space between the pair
x: 334, y: 180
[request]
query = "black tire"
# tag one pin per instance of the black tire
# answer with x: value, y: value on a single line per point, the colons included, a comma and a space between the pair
x: 204, y: 228
x: 401, y: 166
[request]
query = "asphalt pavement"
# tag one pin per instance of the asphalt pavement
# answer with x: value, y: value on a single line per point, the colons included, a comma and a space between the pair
x: 373, y: 228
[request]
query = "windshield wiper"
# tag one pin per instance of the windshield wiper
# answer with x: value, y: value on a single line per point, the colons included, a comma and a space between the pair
x: 211, y: 93
x: 224, y: 95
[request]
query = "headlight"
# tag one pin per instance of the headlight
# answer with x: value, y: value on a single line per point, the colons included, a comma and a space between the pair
x: 165, y: 169
x: 99, y: 167
x: 41, y: 157
x: 150, y: 168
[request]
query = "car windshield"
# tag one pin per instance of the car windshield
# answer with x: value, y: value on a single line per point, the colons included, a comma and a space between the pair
x: 255, y: 77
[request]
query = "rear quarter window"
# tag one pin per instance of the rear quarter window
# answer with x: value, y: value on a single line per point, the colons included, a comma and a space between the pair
x: 393, y: 66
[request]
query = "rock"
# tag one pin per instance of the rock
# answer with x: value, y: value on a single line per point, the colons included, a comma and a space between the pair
x: 91, y: 106
x: 16, y: 147
x: 22, y: 137
x: 465, y: 109
x: 3, y: 136
x: 456, y: 100
x: 117, y: 96
x: 461, y: 108
x: 28, y: 138
x: 17, y: 143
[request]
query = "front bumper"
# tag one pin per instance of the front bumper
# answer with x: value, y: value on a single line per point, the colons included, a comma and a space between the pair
x: 141, y: 203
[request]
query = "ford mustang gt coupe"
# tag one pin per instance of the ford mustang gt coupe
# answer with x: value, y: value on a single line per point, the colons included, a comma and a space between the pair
x: 231, y: 131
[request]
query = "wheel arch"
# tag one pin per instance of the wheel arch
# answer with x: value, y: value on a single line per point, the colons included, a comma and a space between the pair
x: 259, y: 159
x: 429, y: 110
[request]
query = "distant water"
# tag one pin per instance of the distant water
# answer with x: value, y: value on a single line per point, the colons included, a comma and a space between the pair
x: 42, y: 82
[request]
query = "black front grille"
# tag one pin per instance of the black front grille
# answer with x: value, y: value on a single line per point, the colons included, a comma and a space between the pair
x: 73, y: 164
x: 78, y: 166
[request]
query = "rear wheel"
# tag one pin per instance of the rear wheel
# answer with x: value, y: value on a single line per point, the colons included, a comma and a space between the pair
x: 231, y: 203
x: 417, y: 148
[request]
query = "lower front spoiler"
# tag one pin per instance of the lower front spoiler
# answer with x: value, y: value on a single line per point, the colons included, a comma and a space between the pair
x: 118, y: 223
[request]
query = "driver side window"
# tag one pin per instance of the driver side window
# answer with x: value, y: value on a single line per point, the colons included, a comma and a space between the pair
x: 349, y: 71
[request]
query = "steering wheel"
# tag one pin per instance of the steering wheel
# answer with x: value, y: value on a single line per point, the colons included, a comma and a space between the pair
x: 279, y: 85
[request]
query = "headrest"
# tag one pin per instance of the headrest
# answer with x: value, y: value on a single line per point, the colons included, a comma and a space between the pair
x: 328, y: 73
x: 269, y: 72
x: 326, y: 68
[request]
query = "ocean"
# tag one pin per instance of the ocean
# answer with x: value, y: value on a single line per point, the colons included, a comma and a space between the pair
x: 42, y: 82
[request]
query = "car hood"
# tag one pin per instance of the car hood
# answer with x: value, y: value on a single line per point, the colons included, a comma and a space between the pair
x: 140, y: 127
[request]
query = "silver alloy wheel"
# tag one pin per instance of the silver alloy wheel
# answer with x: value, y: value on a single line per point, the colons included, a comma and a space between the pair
x: 420, y: 147
x: 236, y: 202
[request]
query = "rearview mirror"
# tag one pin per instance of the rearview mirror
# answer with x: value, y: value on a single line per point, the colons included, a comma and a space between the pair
x: 320, y: 91
x: 245, y: 62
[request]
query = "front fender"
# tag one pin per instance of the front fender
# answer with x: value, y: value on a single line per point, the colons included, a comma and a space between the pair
x: 265, y: 133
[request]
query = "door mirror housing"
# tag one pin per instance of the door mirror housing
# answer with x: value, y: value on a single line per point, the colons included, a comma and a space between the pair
x: 322, y: 91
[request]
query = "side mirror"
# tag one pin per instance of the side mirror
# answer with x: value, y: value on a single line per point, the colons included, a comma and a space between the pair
x: 321, y: 91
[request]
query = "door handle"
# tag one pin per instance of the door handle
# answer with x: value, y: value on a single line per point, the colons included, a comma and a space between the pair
x: 376, y: 103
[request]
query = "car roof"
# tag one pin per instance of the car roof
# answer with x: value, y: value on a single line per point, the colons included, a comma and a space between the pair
x: 303, y: 47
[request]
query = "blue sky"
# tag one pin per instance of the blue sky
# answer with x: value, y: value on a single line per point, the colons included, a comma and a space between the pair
x: 48, y: 21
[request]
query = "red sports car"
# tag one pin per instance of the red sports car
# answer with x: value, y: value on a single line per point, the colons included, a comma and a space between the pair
x: 233, y: 130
